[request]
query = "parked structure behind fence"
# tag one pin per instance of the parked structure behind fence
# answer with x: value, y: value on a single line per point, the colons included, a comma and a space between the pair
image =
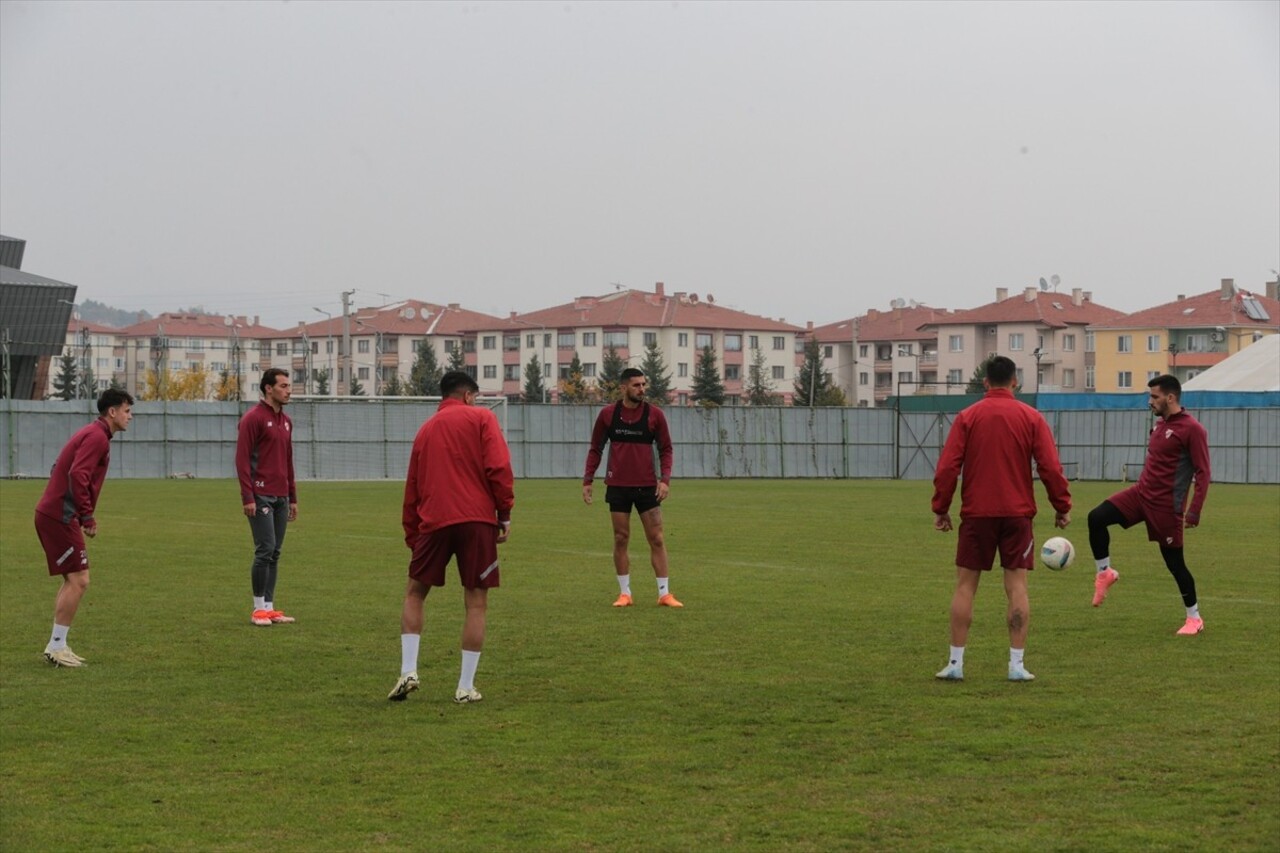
x: 370, y: 440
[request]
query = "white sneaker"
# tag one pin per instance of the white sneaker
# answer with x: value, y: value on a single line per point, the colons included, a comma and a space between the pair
x: 463, y: 697
x: 63, y: 657
x: 951, y: 672
x: 1018, y: 673
x: 406, y: 685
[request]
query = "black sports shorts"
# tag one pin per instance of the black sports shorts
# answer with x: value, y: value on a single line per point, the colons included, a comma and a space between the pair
x: 622, y: 498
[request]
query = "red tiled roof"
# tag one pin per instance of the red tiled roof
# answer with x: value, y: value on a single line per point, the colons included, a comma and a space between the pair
x: 91, y: 327
x: 1055, y: 310
x: 628, y: 308
x: 410, y: 317
x: 199, y: 325
x: 901, y: 324
x: 1205, y: 309
x: 840, y: 331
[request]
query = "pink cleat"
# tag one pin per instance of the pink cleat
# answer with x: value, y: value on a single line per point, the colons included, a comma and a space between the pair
x: 1102, y: 583
x: 1194, y: 625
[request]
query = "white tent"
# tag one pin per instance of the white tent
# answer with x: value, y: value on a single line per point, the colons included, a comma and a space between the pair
x: 1254, y: 368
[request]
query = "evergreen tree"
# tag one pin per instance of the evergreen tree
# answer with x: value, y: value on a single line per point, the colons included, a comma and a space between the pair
x: 393, y: 387
x: 814, y: 386
x: 759, y: 390
x: 535, y: 390
x: 457, y: 359
x: 610, y: 381
x: 655, y: 370
x: 975, y: 385
x: 356, y: 390
x: 322, y: 381
x: 424, y: 376
x: 708, y: 388
x: 66, y: 384
x: 574, y: 388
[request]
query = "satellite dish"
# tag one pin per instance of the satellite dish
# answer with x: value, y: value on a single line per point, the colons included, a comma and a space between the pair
x: 1055, y: 281
x: 898, y: 303
x: 228, y: 320
x: 1044, y: 285
x: 913, y: 303
x: 424, y: 313
x: 407, y: 312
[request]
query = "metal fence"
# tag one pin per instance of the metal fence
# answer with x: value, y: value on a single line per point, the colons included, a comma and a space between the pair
x: 370, y: 440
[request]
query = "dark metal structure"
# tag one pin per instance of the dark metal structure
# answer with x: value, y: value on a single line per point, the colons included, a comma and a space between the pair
x: 34, y: 315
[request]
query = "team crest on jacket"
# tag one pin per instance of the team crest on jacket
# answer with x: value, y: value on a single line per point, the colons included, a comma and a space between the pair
x: 1168, y: 433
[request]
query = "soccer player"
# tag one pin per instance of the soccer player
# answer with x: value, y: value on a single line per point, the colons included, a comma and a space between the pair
x: 457, y: 503
x: 992, y: 444
x: 268, y: 495
x: 1177, y: 455
x: 633, y: 427
x: 64, y: 515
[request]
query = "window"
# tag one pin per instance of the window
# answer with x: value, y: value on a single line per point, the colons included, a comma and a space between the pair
x: 511, y: 343
x: 283, y: 348
x: 905, y: 376
x: 733, y: 343
x: 1197, y: 343
x: 955, y: 377
x: 753, y: 341
x: 1124, y: 343
x: 731, y: 371
x: 779, y: 342
x: 1068, y: 378
x: 530, y: 341
x: 315, y: 347
x: 1152, y: 374
x: 1192, y: 374
x: 511, y: 371
x: 328, y: 347
x: 546, y: 370
x: 955, y: 343
x: 588, y: 339
x: 490, y: 342
x: 682, y: 339
x: 364, y: 373
x: 193, y: 345
x: 863, y: 350
x: 779, y: 372
x: 1040, y: 342
x: 491, y: 371
x: 799, y: 345
x: 362, y: 345
x: 650, y: 339
x: 1015, y: 342
x: 589, y: 369
x: 828, y: 351
x: 1019, y: 379
x: 1068, y: 343
x: 1088, y: 342
x: 863, y: 378
x: 1088, y: 377
x: 702, y: 340
x: 1124, y: 379
x: 470, y: 369
x: 120, y: 365
x: 906, y: 349
x: 564, y: 371
x: 682, y: 369
x: 615, y: 339
x: 139, y: 366
x: 682, y: 399
x: 103, y: 363
x: 884, y: 352
x: 1153, y: 343
x: 469, y: 345
x: 219, y: 344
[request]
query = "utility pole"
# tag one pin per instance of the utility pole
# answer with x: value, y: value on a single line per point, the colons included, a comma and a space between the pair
x: 4, y: 350
x: 346, y: 337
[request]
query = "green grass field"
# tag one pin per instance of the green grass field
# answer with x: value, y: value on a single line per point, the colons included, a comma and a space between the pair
x: 790, y: 705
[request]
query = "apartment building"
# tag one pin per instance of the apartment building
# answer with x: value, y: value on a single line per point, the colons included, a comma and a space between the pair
x: 681, y: 324
x: 897, y: 353
x: 836, y: 346
x: 1183, y: 337
x: 93, y: 346
x: 1043, y: 332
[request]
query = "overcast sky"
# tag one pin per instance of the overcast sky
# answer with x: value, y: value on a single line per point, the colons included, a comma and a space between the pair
x: 803, y: 161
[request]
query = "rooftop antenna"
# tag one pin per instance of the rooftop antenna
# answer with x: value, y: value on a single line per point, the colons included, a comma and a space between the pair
x: 617, y: 286
x: 898, y: 303
x: 1055, y: 281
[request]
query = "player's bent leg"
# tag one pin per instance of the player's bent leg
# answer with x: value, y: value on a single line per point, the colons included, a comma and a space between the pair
x: 74, y: 585
x: 1019, y: 613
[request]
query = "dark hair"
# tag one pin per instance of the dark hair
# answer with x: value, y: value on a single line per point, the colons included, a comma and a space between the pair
x: 1167, y: 383
x: 455, y: 379
x: 631, y: 373
x: 269, y: 378
x: 1001, y: 370
x: 112, y: 398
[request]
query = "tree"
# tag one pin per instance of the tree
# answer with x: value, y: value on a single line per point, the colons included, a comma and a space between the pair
x: 975, y: 385
x: 535, y: 390
x: 457, y: 358
x: 66, y: 383
x: 424, y: 376
x: 393, y: 387
x: 759, y: 390
x: 322, y: 381
x: 357, y: 390
x: 228, y: 387
x: 574, y: 388
x: 610, y: 381
x: 814, y: 386
x: 708, y: 388
x: 190, y: 384
x: 654, y: 367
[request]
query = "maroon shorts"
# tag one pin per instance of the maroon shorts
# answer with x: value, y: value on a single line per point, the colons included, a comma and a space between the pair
x: 980, y: 538
x: 63, y: 545
x: 475, y: 544
x: 1163, y: 526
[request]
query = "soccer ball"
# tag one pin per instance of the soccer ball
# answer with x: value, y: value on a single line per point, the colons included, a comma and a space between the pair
x: 1057, y: 553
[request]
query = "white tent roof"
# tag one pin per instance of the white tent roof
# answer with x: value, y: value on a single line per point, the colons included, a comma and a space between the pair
x: 1254, y: 368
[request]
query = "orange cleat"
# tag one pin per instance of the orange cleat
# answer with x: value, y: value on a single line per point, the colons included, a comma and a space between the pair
x: 1102, y: 583
x: 278, y: 616
x: 624, y: 600
x: 261, y: 617
x: 1193, y: 626
x: 669, y: 600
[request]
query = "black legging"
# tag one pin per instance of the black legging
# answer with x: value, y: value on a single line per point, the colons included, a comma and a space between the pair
x: 1104, y: 515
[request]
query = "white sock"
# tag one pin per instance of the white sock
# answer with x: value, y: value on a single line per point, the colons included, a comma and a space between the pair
x: 664, y: 586
x: 957, y: 655
x: 270, y: 605
x: 1103, y: 564
x: 1193, y: 612
x: 259, y: 603
x: 624, y: 584
x: 1015, y: 656
x: 470, y: 660
x: 409, y: 653
x: 58, y: 639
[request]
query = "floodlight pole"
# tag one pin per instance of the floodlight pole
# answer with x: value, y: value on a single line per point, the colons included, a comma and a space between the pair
x: 346, y: 336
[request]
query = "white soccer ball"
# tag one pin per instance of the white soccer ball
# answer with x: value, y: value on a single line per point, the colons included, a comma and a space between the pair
x: 1057, y: 553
